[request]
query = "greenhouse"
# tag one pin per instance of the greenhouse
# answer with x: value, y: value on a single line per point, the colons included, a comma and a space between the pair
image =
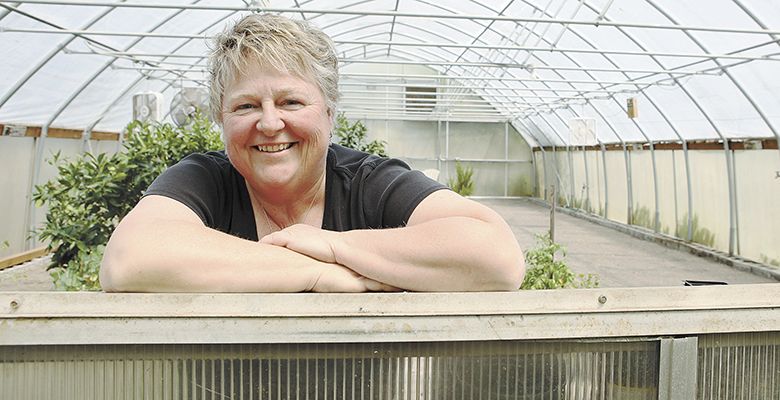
x: 631, y: 146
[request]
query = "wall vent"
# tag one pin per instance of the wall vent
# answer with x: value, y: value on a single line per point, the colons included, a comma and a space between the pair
x: 419, y: 98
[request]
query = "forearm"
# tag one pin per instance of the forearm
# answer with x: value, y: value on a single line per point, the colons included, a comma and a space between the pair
x: 446, y: 254
x: 180, y: 257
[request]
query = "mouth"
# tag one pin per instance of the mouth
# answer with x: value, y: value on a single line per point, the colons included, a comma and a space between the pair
x: 274, y: 148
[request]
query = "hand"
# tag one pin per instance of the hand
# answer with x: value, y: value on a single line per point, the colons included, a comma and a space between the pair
x: 337, y: 278
x: 307, y: 240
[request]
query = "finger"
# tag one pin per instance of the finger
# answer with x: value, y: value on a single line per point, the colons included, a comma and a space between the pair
x: 376, y: 286
x: 279, y: 238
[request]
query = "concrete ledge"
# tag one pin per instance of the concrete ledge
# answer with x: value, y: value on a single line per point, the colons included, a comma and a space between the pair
x: 736, y: 262
x: 85, y: 318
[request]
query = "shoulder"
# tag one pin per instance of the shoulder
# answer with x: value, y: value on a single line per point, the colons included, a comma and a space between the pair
x: 207, y: 183
x: 209, y: 166
x: 351, y: 162
x: 213, y: 159
x: 380, y: 192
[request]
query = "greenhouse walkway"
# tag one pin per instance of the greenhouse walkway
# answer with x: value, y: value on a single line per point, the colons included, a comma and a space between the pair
x: 618, y: 259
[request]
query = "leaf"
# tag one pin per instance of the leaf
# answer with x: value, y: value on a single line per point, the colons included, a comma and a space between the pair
x: 353, y: 135
x: 544, y: 271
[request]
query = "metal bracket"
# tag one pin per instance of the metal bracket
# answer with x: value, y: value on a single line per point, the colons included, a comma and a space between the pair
x: 677, y: 368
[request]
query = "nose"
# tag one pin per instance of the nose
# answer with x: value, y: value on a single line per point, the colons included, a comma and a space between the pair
x: 270, y: 120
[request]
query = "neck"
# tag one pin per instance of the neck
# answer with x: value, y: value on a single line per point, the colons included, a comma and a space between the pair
x: 281, y: 209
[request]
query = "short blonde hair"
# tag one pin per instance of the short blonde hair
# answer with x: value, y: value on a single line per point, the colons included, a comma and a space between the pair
x: 283, y: 44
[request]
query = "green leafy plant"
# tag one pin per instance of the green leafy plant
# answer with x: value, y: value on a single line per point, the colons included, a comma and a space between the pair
x: 463, y: 183
x: 82, y: 272
x: 92, y: 193
x: 353, y: 135
x: 545, y: 271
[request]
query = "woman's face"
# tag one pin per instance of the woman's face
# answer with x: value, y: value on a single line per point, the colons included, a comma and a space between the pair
x: 277, y: 129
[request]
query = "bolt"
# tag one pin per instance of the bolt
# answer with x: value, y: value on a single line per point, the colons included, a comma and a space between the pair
x: 602, y: 299
x: 14, y: 304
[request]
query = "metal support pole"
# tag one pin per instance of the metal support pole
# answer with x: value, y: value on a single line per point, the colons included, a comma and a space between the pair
x: 732, y: 195
x: 689, y: 237
x: 534, y: 174
x: 736, y: 201
x: 447, y: 146
x: 557, y: 178
x: 674, y: 185
x: 586, y: 185
x: 629, y: 189
x: 506, y: 158
x: 30, y: 208
x: 438, y: 145
x: 657, y: 216
x: 572, y: 190
x: 677, y: 367
x: 553, y: 204
x: 546, y: 172
x: 604, y: 167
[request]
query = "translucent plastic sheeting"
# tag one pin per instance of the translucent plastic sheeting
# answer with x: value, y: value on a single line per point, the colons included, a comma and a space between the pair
x: 465, y: 370
x: 697, y: 72
x: 728, y: 366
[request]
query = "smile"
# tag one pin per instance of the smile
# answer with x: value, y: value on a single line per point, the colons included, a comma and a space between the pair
x: 274, y: 148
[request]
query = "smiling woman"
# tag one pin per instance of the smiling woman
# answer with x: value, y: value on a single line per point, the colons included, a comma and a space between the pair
x: 284, y: 210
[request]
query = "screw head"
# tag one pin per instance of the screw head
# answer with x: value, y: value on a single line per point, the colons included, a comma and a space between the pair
x: 14, y: 304
x: 602, y: 299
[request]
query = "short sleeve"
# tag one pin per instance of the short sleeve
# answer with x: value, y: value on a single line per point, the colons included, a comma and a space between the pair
x: 392, y: 191
x: 196, y: 182
x: 210, y: 186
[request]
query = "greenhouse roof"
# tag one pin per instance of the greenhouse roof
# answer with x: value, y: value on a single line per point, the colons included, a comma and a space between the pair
x: 563, y: 72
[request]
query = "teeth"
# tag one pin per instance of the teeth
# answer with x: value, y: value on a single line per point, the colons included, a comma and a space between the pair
x: 273, y: 148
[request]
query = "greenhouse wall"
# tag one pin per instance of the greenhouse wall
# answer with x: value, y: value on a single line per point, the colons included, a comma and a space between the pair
x: 757, y: 193
x: 499, y: 156
x: 758, y: 200
x: 18, y: 155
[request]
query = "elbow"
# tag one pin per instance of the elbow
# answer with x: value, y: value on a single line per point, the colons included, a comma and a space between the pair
x: 508, y: 269
x: 508, y: 276
x: 109, y: 272
x: 113, y: 270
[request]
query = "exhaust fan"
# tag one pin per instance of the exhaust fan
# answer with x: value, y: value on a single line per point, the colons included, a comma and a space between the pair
x: 147, y: 106
x: 186, y: 103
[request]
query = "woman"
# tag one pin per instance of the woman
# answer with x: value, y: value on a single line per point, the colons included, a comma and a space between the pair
x: 283, y: 210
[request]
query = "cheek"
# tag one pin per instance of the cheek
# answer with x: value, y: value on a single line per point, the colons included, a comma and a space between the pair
x: 234, y: 131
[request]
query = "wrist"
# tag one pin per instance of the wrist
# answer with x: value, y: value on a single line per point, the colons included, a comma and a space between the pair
x: 313, y: 275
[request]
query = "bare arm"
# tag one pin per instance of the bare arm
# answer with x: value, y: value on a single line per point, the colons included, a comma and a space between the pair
x: 163, y: 246
x: 450, y: 244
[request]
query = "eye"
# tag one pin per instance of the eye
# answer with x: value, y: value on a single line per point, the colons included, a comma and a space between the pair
x: 291, y: 103
x: 245, y: 106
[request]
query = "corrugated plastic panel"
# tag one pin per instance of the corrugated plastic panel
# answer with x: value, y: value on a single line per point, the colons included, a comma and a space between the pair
x: 739, y: 366
x: 456, y: 370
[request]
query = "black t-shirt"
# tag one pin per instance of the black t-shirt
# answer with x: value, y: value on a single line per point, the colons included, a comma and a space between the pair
x: 362, y: 191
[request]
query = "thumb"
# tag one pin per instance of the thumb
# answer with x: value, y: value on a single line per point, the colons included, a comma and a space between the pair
x: 279, y: 238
